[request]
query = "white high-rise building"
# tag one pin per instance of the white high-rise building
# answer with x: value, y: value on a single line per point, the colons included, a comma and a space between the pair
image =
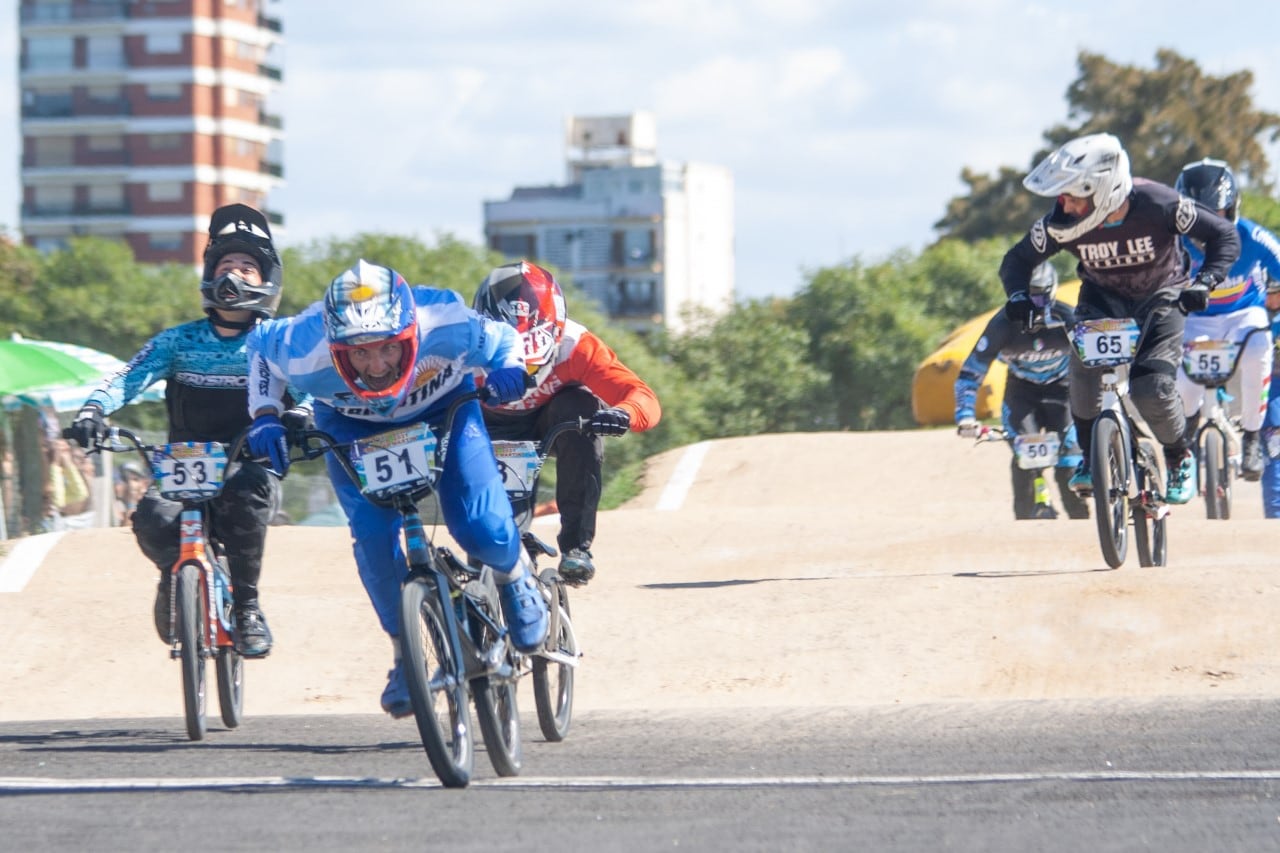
x: 643, y: 237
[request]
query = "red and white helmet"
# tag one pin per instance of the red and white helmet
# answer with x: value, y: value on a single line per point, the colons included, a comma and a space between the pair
x: 528, y: 298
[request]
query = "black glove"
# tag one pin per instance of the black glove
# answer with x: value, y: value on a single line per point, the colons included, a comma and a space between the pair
x: 612, y: 421
x: 1019, y: 309
x: 1196, y: 296
x: 89, y: 427
x: 298, y: 420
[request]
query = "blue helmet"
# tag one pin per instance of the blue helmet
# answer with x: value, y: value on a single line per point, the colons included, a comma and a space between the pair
x: 365, y: 306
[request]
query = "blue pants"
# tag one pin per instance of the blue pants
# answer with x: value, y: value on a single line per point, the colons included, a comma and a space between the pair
x: 475, y: 507
x: 1271, y: 474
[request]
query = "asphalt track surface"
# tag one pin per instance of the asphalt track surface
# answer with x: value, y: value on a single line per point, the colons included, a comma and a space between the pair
x: 795, y: 642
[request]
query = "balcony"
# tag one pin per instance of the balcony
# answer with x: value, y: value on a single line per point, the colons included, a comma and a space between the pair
x: 96, y: 10
x: 272, y: 24
x: 273, y: 169
x: 276, y: 219
x: 270, y: 72
x: 270, y: 120
x: 62, y: 211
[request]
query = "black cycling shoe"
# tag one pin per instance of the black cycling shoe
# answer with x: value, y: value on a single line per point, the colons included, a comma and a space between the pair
x: 576, y: 567
x: 252, y: 636
x: 160, y: 610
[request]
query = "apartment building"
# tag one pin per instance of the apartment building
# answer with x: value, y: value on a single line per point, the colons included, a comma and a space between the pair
x: 140, y: 117
x: 643, y: 237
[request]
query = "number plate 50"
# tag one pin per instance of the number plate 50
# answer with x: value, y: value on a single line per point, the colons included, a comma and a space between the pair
x: 1036, y: 450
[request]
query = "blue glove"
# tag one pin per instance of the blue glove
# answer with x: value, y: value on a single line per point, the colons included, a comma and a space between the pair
x: 506, y: 384
x: 268, y: 438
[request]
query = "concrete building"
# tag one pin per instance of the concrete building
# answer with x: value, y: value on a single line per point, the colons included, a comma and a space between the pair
x: 643, y: 237
x: 140, y: 117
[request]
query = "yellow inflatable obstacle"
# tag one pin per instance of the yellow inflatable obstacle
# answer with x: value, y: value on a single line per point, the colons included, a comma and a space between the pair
x: 933, y: 397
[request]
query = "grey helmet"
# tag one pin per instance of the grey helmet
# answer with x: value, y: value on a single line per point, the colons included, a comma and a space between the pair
x: 1094, y: 167
x: 240, y: 228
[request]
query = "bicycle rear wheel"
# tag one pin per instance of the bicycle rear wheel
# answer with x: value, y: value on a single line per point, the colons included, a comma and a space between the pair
x: 1110, y: 468
x: 499, y: 719
x: 190, y: 638
x: 1217, y: 474
x: 439, y: 696
x: 230, y: 687
x: 553, y: 680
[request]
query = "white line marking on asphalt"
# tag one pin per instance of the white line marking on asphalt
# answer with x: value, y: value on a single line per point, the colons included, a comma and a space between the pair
x: 27, y: 555
x: 682, y: 478
x: 35, y: 785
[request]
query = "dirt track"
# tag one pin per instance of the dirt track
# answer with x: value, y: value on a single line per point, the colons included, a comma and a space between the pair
x: 832, y: 569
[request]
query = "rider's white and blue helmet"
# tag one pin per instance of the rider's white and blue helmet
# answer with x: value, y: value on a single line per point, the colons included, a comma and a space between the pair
x: 367, y: 305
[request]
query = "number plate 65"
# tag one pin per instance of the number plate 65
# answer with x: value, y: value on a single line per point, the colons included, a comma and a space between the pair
x: 1105, y: 342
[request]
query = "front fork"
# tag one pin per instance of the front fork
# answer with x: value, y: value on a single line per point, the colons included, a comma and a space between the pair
x: 194, y: 549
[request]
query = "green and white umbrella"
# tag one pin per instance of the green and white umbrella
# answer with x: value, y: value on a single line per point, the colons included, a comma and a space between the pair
x: 55, y: 375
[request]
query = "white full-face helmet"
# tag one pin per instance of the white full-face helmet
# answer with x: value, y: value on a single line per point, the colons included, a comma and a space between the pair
x: 1095, y: 167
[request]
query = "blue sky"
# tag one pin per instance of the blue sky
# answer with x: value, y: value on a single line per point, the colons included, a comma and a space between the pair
x: 845, y: 123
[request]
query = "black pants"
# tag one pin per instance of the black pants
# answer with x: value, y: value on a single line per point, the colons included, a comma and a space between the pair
x: 1153, y: 374
x: 239, y: 517
x: 579, y: 458
x: 1030, y: 408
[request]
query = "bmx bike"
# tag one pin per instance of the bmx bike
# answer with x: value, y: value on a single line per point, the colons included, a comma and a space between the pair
x: 456, y: 647
x: 1219, y: 439
x: 553, y: 667
x: 201, y: 616
x: 1127, y: 460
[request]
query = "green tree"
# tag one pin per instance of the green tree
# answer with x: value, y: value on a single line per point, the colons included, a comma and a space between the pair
x: 1166, y: 117
x: 750, y: 371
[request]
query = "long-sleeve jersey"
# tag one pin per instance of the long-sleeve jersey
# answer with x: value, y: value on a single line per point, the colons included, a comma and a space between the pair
x: 583, y: 359
x: 1042, y: 357
x: 452, y: 341
x: 1136, y: 256
x: 206, y: 381
x: 1246, y: 283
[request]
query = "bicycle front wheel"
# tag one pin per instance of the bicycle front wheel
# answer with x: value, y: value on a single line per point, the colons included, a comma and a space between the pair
x: 553, y: 679
x: 438, y: 693
x: 1217, y: 475
x: 1110, y: 469
x: 191, y: 622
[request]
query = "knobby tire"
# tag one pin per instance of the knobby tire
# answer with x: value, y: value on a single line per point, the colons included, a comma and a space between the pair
x: 190, y: 604
x: 1110, y: 466
x: 439, y: 698
x: 552, y: 680
x: 1217, y: 475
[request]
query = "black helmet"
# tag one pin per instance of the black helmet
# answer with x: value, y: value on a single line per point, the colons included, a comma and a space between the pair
x: 240, y: 228
x: 1211, y: 183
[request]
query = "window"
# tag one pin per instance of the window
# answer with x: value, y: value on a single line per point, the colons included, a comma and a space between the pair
x: 105, y: 143
x: 164, y: 241
x: 514, y: 245
x: 55, y: 199
x: 106, y: 197
x: 164, y: 91
x: 104, y: 52
x: 53, y: 53
x: 164, y: 43
x: 164, y: 141
x: 54, y: 151
x: 164, y: 191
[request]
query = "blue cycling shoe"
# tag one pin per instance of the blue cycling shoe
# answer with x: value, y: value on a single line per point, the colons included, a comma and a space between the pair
x: 1081, y: 481
x: 395, y: 697
x: 1182, y: 478
x: 525, y: 613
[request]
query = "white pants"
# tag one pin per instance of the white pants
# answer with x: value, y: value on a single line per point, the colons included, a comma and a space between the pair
x: 1253, y: 369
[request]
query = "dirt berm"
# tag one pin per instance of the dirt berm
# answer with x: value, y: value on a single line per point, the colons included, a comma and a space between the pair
x: 797, y: 570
